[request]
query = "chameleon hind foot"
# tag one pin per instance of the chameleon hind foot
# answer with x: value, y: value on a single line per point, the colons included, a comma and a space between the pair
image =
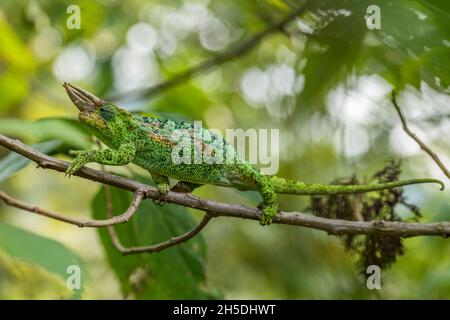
x: 163, y: 189
x: 268, y: 214
x: 163, y: 186
x: 269, y: 201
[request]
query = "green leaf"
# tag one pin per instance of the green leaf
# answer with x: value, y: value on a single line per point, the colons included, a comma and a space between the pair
x: 14, y: 162
x: 12, y: 50
x: 175, y: 273
x: 14, y: 87
x: 70, y: 132
x: 46, y: 253
x: 331, y: 44
x: 343, y: 47
x: 187, y: 100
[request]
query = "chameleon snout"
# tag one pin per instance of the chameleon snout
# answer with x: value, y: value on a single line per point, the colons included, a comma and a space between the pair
x: 83, y: 100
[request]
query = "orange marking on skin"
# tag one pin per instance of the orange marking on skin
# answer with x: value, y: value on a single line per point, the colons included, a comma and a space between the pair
x: 162, y: 140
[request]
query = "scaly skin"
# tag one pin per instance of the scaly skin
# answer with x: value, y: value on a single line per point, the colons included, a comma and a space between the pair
x: 148, y: 142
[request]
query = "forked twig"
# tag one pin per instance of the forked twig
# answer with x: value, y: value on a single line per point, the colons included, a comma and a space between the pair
x: 125, y: 217
x: 422, y: 145
x: 151, y: 248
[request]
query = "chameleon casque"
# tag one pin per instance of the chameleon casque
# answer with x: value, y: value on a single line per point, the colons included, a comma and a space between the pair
x: 148, y: 142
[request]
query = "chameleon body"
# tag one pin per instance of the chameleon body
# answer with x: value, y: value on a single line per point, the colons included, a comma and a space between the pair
x: 149, y: 143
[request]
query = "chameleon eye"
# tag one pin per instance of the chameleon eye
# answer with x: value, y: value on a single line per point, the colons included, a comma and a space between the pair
x: 107, y: 114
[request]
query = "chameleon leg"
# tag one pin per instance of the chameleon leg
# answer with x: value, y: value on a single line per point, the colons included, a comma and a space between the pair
x: 270, y: 200
x: 264, y: 185
x: 185, y: 187
x: 162, y: 183
x: 122, y: 156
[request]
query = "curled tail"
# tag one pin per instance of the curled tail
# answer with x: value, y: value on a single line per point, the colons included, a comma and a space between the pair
x: 282, y: 185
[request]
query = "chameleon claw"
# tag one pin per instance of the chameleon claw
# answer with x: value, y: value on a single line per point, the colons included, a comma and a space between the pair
x: 161, y: 200
x: 267, y: 215
x: 71, y: 170
x: 265, y: 221
x: 68, y: 173
x: 163, y: 190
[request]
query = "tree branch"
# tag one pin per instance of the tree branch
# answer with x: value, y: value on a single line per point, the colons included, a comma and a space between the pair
x: 151, y: 248
x: 125, y: 217
x: 211, y: 63
x: 172, y: 241
x: 219, y: 209
x: 422, y: 145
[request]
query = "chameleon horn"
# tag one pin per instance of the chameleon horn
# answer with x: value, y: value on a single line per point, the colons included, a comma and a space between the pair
x: 82, y: 99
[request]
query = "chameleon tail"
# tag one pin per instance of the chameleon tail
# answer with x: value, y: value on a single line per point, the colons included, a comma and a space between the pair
x: 282, y: 185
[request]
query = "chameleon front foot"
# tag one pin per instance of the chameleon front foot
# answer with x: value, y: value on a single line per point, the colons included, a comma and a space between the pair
x: 81, y: 158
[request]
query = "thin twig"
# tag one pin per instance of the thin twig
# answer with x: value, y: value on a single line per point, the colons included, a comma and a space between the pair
x: 111, y: 230
x: 151, y: 248
x: 219, y: 209
x: 109, y: 210
x: 125, y: 217
x: 172, y: 241
x: 422, y: 145
x: 209, y: 64
x: 163, y: 245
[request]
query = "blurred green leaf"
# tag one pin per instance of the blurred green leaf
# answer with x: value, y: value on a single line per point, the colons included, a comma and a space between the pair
x: 12, y: 49
x: 70, y: 132
x: 14, y: 87
x: 188, y: 100
x: 16, y: 63
x: 13, y: 162
x: 48, y: 254
x: 335, y: 63
x: 175, y: 273
x: 22, y: 280
x: 342, y: 46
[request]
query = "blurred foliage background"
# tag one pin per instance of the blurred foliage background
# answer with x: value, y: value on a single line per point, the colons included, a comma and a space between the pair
x: 324, y: 81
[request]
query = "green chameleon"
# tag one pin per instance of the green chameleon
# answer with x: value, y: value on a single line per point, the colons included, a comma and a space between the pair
x: 149, y: 143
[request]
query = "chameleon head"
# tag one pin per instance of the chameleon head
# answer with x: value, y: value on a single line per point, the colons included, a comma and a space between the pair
x: 101, y: 116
